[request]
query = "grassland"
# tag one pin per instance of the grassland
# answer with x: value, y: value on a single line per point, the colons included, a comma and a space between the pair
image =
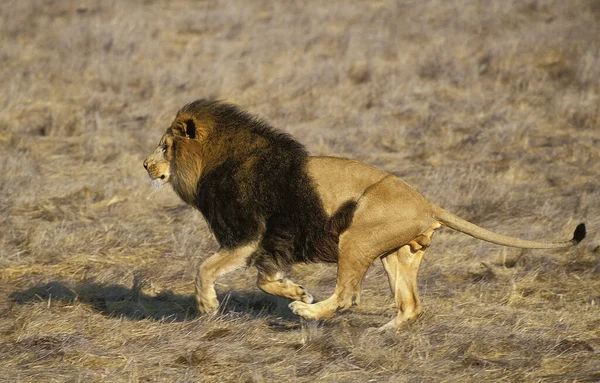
x: 490, y: 108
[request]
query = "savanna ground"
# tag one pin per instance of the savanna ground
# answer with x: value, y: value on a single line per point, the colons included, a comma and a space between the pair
x: 490, y: 108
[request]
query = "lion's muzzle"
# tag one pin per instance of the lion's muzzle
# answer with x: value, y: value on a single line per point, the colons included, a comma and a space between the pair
x: 158, y: 172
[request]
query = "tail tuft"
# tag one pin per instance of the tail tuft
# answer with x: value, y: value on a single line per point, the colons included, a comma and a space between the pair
x: 579, y: 233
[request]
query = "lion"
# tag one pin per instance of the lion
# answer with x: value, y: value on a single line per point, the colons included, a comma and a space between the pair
x: 270, y: 205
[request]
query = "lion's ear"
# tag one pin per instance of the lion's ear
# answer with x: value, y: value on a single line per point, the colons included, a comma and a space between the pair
x: 190, y: 128
x: 186, y: 128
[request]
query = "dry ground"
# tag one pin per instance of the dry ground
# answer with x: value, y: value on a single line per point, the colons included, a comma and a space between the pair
x: 490, y: 108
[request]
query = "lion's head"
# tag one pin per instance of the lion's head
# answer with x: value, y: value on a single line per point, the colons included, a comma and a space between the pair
x: 178, y: 158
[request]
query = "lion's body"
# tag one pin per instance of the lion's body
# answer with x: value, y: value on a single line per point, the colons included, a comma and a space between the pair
x: 271, y: 205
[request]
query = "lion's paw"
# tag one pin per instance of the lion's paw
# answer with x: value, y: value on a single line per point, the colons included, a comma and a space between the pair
x: 302, y: 309
x: 208, y: 307
x: 396, y: 325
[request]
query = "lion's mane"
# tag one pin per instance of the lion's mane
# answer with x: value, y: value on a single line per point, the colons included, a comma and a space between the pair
x: 254, y: 181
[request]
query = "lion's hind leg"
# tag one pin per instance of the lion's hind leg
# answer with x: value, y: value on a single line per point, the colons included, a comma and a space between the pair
x: 369, y: 236
x: 276, y: 284
x: 347, y: 291
x: 402, y: 267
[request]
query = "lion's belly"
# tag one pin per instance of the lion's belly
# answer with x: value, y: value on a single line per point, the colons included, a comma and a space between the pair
x: 339, y: 179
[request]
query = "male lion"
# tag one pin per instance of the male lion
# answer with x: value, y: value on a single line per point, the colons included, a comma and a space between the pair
x: 269, y: 204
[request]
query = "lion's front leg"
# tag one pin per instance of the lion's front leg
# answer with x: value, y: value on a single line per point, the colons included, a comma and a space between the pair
x: 222, y: 262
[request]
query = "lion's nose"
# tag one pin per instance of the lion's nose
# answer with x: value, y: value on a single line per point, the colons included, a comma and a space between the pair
x: 146, y: 164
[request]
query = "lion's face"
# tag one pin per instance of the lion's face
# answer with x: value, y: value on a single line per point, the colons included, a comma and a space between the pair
x: 178, y: 157
x: 159, y: 163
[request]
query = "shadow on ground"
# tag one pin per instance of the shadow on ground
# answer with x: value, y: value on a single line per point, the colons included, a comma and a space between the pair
x: 132, y: 303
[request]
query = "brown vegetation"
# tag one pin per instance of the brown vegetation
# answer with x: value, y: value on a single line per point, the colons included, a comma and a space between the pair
x: 490, y: 108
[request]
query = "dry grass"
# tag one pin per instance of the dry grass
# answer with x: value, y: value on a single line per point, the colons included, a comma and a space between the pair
x: 490, y: 108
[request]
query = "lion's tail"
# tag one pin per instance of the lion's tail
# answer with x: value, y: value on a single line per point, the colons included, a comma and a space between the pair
x: 448, y: 219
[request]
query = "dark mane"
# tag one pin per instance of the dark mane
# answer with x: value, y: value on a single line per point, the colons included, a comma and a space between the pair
x: 255, y: 181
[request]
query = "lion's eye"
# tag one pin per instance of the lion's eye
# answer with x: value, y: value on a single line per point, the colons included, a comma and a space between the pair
x: 164, y: 149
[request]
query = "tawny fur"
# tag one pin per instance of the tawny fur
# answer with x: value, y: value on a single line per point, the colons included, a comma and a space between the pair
x: 371, y: 214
